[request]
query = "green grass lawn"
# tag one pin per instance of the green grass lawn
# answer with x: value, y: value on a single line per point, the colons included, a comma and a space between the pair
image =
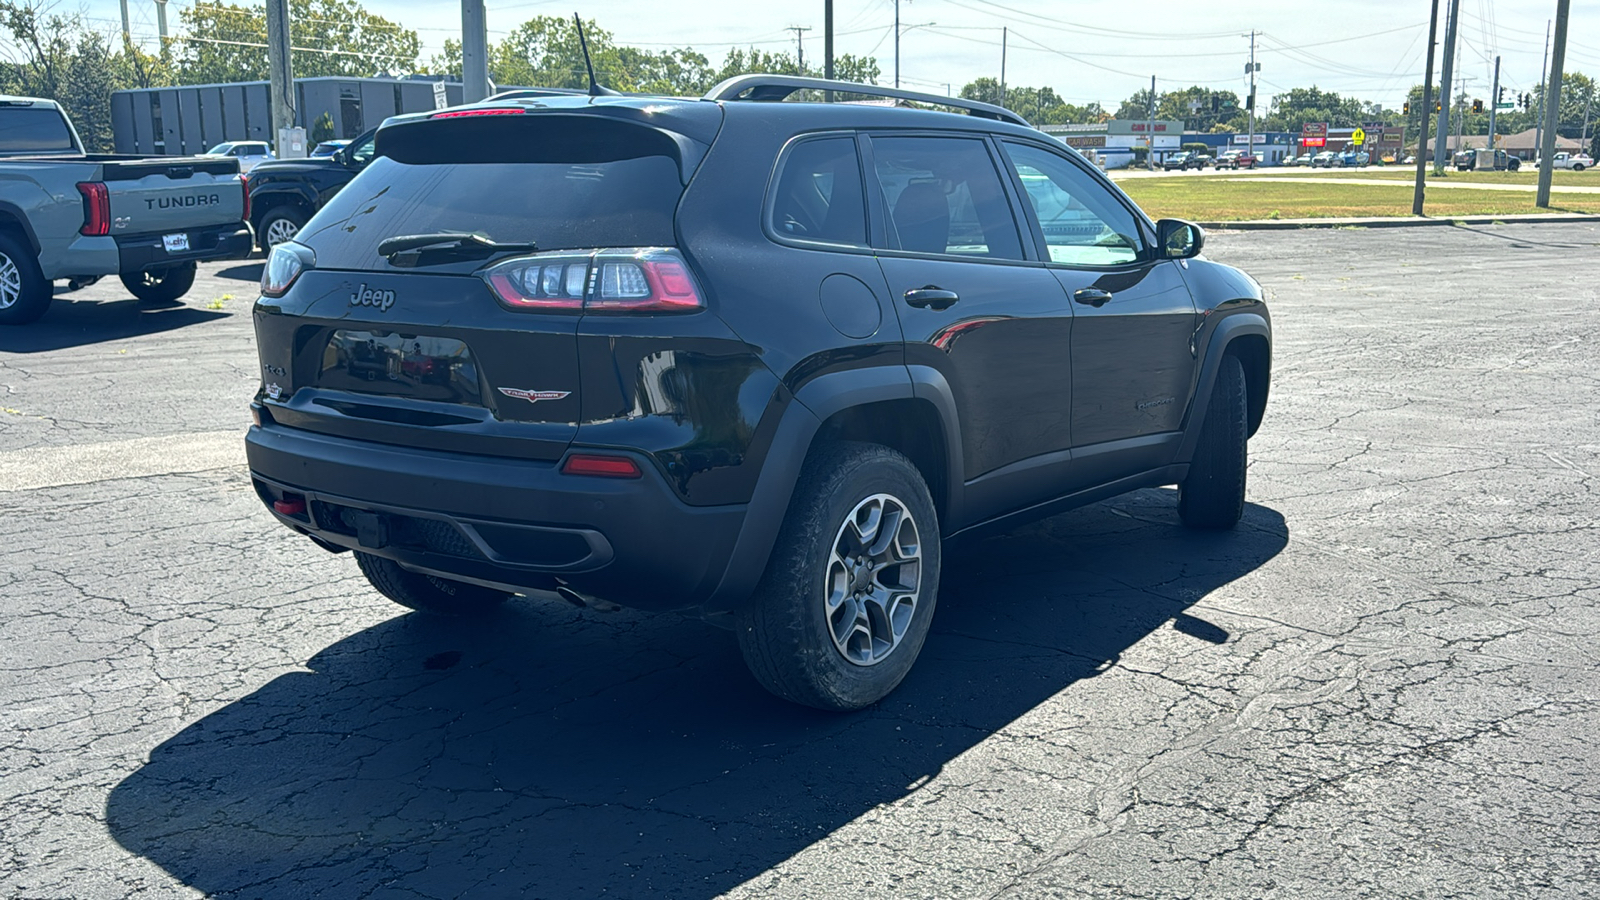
x: 1230, y: 199
x: 1527, y: 175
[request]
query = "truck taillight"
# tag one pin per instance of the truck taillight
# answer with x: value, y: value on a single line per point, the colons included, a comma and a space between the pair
x: 633, y: 280
x: 96, y: 208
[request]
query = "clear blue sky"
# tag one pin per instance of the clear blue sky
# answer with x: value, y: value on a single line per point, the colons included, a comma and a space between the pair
x: 1371, y: 49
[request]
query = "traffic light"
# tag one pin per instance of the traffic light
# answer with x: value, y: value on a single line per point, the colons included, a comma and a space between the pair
x: 1500, y: 97
x: 1405, y: 108
x: 1216, y: 103
x: 1477, y: 106
x: 1438, y: 106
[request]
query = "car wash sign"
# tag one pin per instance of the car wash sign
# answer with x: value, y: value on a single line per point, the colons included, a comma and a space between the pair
x: 1314, y: 134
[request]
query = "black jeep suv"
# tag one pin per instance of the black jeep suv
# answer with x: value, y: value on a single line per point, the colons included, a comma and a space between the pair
x: 755, y: 360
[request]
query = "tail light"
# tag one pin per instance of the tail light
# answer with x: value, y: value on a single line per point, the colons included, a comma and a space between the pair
x: 96, y: 208
x: 284, y: 265
x: 646, y: 279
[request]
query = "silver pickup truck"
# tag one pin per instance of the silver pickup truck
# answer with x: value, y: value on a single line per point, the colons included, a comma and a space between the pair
x: 68, y: 215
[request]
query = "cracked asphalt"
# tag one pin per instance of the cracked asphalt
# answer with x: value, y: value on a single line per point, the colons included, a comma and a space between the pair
x: 1382, y: 685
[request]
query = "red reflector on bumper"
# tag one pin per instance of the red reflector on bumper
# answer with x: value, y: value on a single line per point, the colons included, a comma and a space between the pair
x: 603, y: 466
x: 290, y: 506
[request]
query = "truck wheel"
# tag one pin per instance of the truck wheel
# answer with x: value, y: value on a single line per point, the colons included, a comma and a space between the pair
x: 163, y: 286
x: 426, y: 593
x: 24, y: 291
x: 280, y: 224
x: 1577, y: 167
x: 845, y: 604
x: 1212, y: 497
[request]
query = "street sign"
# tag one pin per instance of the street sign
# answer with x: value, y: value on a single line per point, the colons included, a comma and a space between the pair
x: 439, y: 96
x: 1358, y: 137
x: 1505, y: 106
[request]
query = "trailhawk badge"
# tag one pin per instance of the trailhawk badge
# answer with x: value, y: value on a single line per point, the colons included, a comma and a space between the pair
x: 534, y: 396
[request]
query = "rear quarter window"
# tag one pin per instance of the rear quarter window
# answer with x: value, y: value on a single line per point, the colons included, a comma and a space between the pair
x: 818, y: 195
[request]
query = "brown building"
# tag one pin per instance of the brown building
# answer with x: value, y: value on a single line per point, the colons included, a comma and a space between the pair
x: 1520, y: 144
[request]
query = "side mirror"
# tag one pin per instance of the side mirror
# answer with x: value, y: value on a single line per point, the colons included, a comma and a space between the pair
x: 1179, y: 239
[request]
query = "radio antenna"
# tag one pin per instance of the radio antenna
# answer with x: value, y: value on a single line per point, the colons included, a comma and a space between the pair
x: 595, y: 90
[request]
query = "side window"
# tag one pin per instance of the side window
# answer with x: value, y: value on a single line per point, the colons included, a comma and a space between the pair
x: 944, y: 196
x: 361, y: 153
x: 1083, y: 223
x: 818, y: 195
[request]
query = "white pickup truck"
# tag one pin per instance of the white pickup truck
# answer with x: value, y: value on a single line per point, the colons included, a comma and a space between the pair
x: 1577, y: 162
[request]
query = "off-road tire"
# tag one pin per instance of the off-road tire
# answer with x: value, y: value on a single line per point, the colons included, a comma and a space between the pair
x: 784, y: 630
x: 1212, y: 496
x: 289, y: 220
x: 427, y: 593
x: 164, y: 286
x: 21, y: 283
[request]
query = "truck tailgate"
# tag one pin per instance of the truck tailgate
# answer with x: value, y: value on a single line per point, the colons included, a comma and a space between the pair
x: 160, y: 196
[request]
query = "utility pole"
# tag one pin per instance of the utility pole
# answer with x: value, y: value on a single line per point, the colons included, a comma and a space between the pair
x: 1444, y: 87
x: 125, y: 28
x: 1150, y: 127
x: 1494, y: 101
x: 897, y: 43
x: 280, y: 71
x: 1427, y: 109
x: 1544, y: 87
x: 1587, y: 105
x: 799, y: 44
x: 827, y: 43
x: 474, y: 52
x: 1552, y: 106
x: 161, y: 21
x: 1003, y: 33
x: 1253, y: 67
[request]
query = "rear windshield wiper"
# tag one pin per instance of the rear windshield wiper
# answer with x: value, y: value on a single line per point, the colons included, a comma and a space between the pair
x: 450, y: 243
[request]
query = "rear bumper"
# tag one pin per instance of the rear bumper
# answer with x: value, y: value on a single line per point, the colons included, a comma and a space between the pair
x: 141, y: 253
x: 515, y: 524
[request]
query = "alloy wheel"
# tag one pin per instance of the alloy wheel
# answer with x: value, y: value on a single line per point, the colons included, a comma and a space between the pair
x: 10, y: 282
x: 873, y: 579
x: 281, y: 230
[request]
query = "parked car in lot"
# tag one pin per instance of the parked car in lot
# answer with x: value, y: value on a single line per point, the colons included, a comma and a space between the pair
x: 286, y: 193
x: 686, y: 365
x: 1351, y: 159
x: 326, y: 148
x: 1186, y: 160
x: 1292, y: 160
x: 1323, y: 160
x: 67, y: 215
x: 1235, y: 159
x: 248, y: 153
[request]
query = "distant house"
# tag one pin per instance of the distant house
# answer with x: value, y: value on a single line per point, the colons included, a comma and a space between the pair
x: 1520, y: 144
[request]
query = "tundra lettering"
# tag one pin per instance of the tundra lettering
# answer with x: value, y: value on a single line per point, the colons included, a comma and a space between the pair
x: 174, y: 202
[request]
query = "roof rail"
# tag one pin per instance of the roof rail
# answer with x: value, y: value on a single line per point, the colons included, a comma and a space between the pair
x: 774, y: 88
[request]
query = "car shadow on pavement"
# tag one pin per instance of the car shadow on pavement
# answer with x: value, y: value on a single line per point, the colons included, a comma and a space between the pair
x: 558, y: 753
x: 78, y: 323
x: 243, y: 272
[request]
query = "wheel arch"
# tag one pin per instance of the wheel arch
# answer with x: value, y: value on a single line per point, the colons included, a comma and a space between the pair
x: 13, y: 221
x: 910, y: 412
x: 1248, y: 337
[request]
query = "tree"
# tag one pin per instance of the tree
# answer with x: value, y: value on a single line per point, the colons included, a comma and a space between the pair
x: 224, y: 42
x: 1137, y: 106
x: 62, y: 60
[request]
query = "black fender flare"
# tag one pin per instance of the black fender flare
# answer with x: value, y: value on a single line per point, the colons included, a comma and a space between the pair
x: 817, y: 400
x: 9, y: 213
x: 272, y: 196
x: 1231, y: 327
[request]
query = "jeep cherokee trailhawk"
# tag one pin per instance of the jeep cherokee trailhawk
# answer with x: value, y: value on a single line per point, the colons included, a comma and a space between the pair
x: 752, y: 359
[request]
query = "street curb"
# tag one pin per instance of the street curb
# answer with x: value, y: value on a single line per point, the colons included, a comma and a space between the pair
x: 1396, y: 222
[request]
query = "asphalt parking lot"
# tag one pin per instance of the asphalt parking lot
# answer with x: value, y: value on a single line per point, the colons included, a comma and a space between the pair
x: 1384, y: 684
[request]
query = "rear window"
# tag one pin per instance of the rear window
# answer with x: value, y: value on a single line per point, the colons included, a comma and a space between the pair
x: 29, y: 130
x: 559, y: 205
